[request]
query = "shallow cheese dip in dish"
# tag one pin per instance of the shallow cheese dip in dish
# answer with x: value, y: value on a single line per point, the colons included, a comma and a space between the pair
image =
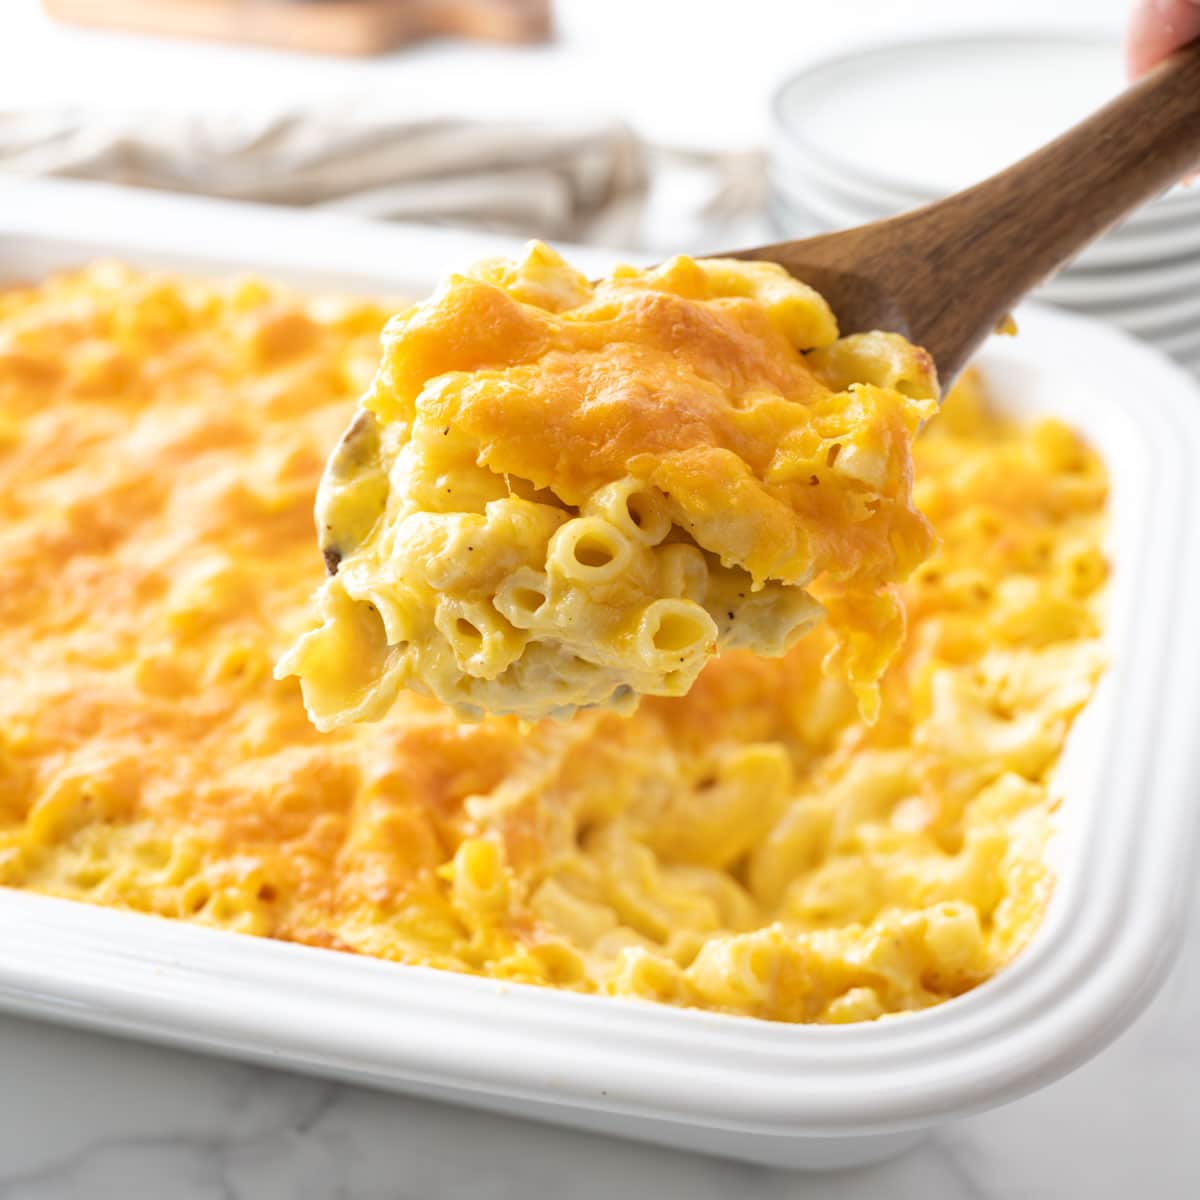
x: 754, y: 847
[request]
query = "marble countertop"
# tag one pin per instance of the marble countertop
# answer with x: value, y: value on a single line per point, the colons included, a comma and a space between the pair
x: 85, y: 1116
x: 88, y: 1116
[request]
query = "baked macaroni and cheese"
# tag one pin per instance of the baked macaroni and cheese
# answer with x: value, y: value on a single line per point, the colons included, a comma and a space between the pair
x: 558, y: 494
x: 754, y: 847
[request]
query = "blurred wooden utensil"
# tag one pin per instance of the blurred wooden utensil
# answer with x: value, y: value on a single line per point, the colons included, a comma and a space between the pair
x: 348, y: 27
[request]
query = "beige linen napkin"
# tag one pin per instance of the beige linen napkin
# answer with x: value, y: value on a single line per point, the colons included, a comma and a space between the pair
x: 585, y: 181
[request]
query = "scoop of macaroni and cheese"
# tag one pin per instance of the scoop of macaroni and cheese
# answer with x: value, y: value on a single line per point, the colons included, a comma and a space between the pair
x: 559, y: 494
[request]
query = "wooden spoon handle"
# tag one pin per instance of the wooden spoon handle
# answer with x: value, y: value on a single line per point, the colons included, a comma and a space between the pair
x: 975, y: 254
x: 947, y: 274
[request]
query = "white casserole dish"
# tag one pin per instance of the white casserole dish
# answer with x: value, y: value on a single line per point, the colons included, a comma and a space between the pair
x: 770, y: 1093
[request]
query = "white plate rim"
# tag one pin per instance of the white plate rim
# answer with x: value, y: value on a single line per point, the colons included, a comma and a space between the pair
x: 912, y: 188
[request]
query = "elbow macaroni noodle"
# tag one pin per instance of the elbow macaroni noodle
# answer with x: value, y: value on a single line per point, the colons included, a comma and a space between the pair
x: 558, y: 495
x: 753, y: 848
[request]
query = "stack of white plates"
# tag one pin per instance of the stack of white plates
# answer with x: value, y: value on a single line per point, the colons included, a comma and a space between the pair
x: 874, y: 133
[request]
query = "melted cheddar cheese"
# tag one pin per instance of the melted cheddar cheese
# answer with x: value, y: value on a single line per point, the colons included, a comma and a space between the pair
x: 560, y: 494
x: 752, y: 848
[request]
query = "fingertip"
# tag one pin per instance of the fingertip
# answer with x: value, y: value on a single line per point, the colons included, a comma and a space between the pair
x: 1156, y: 29
x: 1142, y: 38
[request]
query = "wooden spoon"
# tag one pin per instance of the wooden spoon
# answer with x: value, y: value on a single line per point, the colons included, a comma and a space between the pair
x: 946, y: 275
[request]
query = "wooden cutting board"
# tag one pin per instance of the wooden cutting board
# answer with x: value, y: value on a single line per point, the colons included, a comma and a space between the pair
x: 325, y: 26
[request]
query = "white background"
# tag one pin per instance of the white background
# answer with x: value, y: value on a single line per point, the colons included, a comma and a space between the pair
x: 688, y: 72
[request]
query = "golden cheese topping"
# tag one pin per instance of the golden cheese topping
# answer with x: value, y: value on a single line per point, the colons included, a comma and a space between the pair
x: 559, y: 494
x: 752, y: 848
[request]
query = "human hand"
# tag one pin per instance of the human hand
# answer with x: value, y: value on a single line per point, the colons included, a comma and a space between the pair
x: 1156, y: 28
